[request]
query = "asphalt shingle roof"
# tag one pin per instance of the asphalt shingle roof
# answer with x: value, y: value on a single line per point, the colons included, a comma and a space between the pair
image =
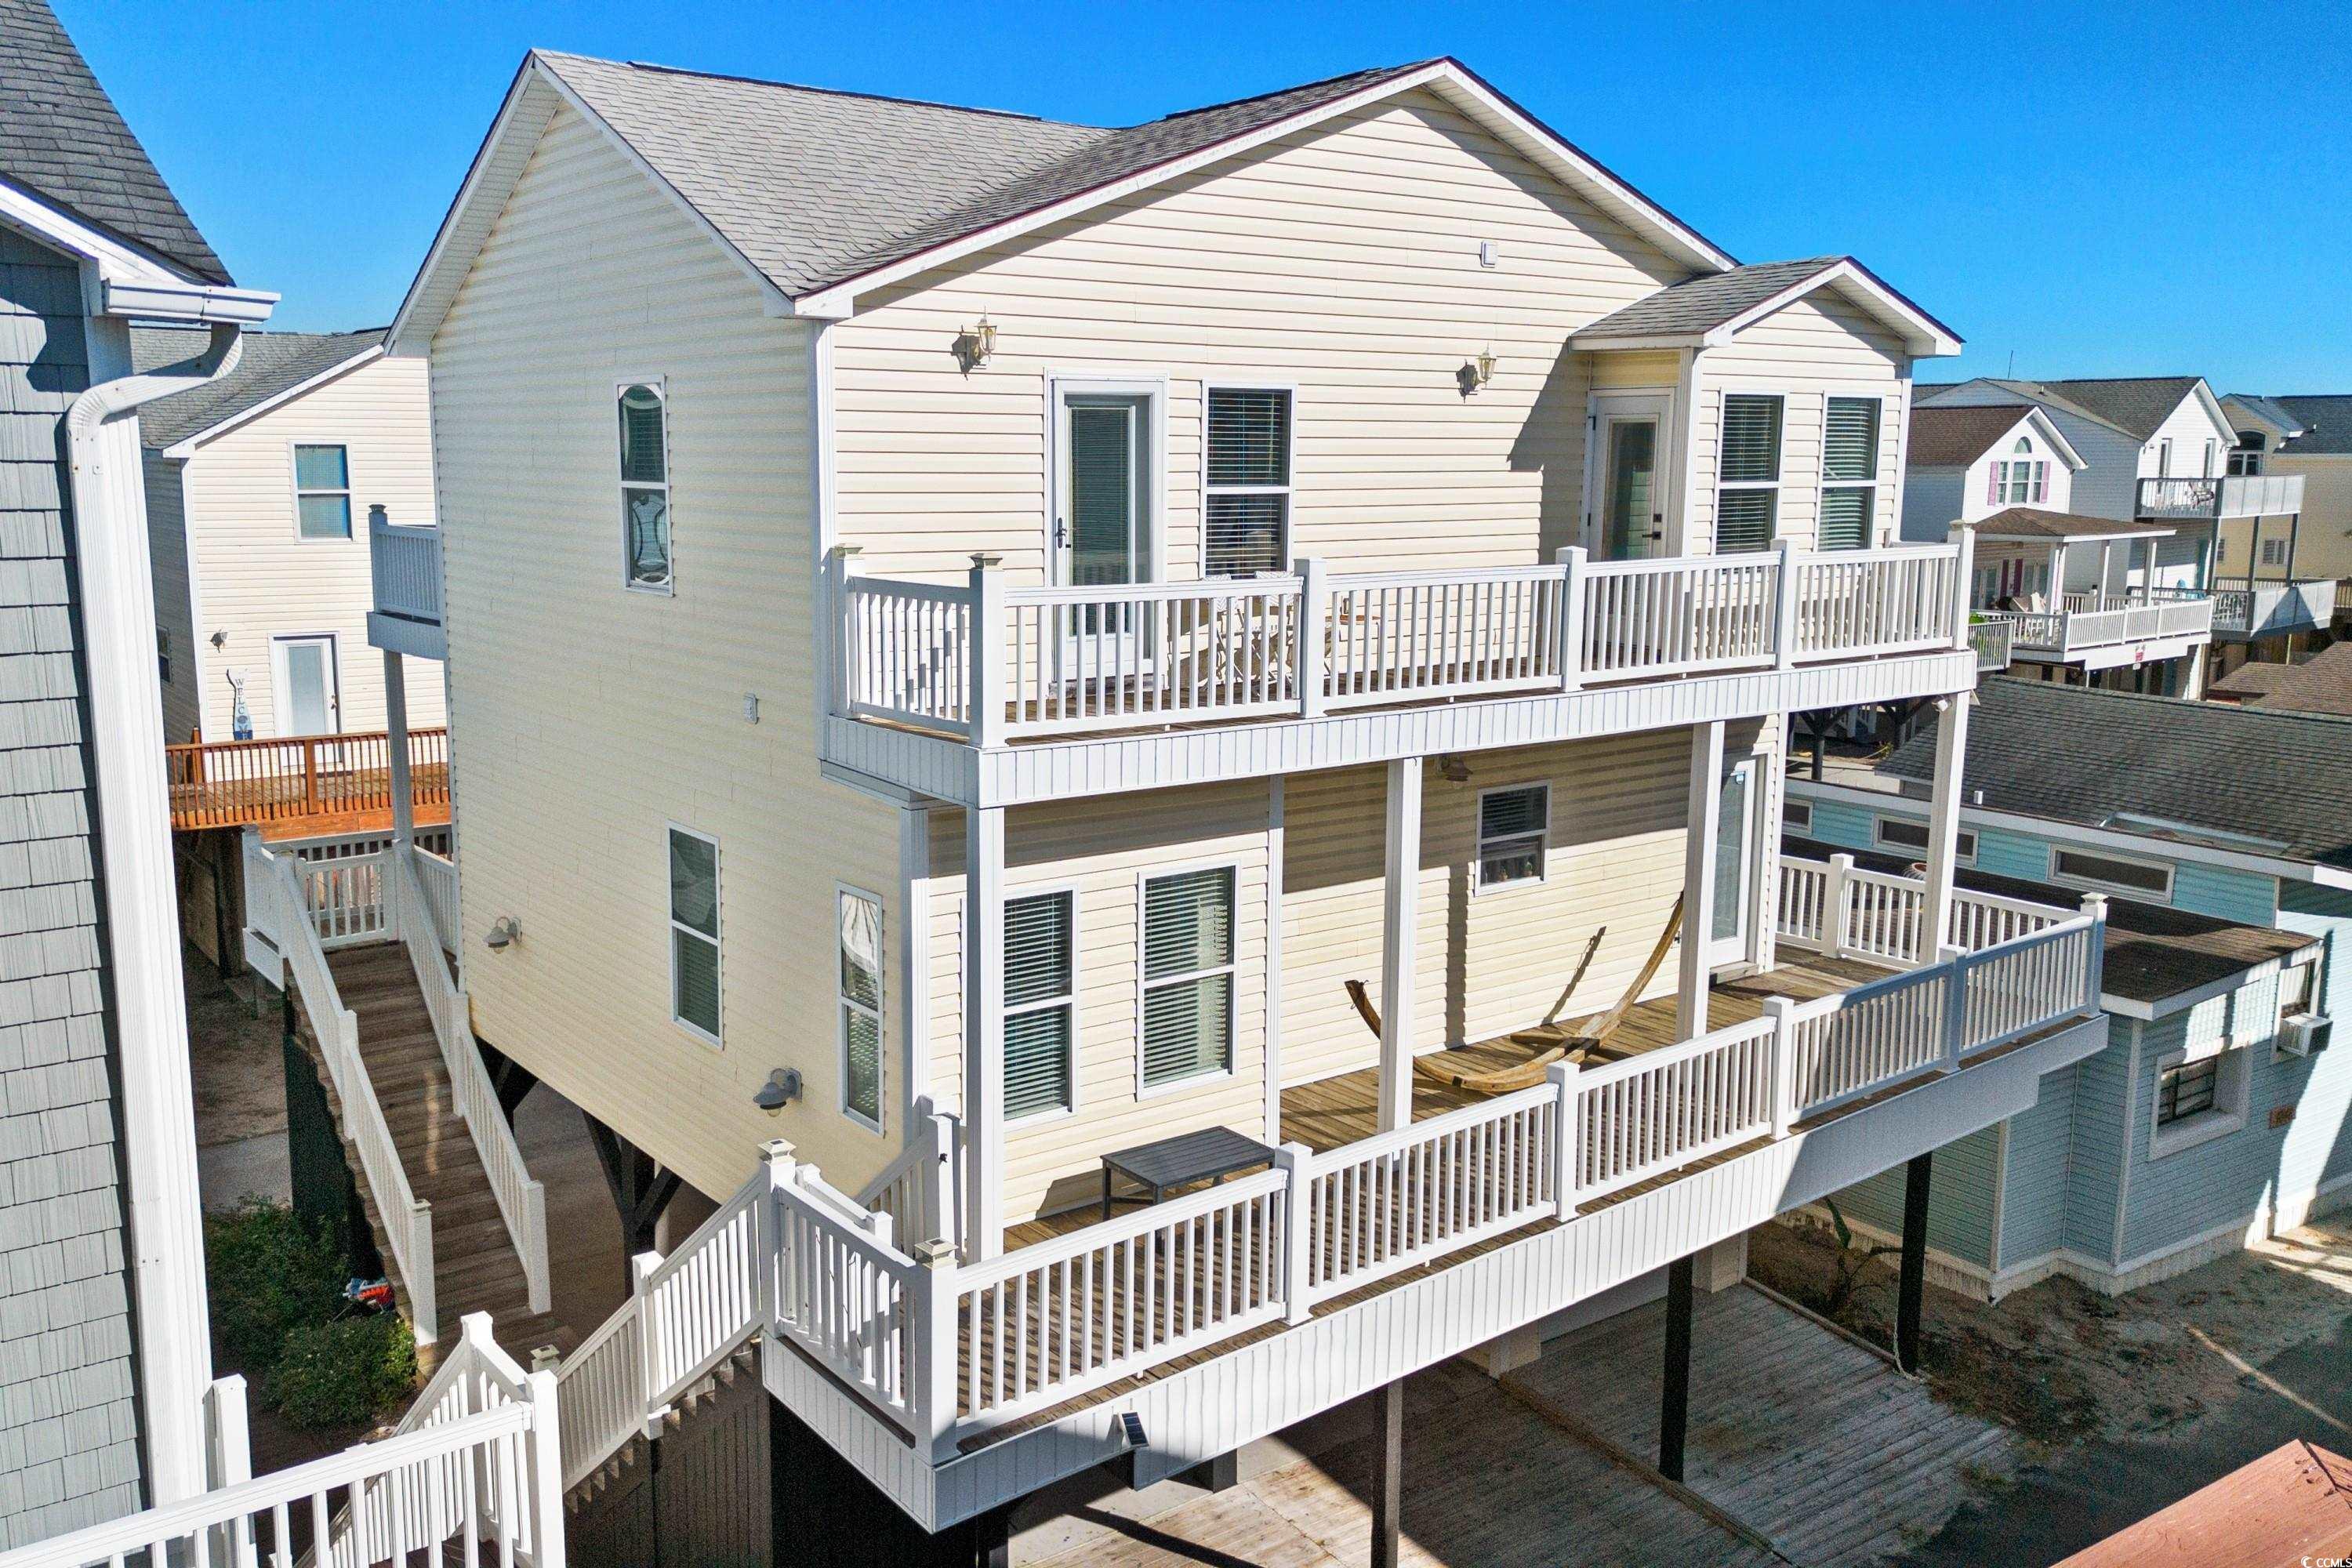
x: 2326, y: 421
x: 1955, y: 437
x: 270, y: 364
x: 2136, y: 403
x: 2035, y: 523
x: 2249, y: 680
x: 2321, y: 684
x: 815, y: 187
x: 1705, y: 303
x: 2082, y: 755
x: 62, y: 138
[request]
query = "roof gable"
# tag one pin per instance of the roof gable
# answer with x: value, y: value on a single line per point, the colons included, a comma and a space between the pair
x: 274, y: 368
x: 819, y: 196
x: 1955, y: 435
x: 1712, y: 308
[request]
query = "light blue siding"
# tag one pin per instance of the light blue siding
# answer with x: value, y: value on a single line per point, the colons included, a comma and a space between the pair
x: 2242, y: 896
x: 1959, y: 1198
x: 2041, y: 1153
x: 2318, y: 1147
x: 1835, y: 822
x: 2096, y: 1152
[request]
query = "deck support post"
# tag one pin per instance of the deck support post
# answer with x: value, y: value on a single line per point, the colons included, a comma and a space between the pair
x: 2194, y: 687
x: 1943, y: 816
x: 395, y: 725
x: 1388, y: 1477
x: 641, y: 1189
x: 1964, y: 571
x: 1698, y: 877
x: 983, y: 1013
x: 1910, y: 1287
x: 1401, y: 913
x: 1673, y: 1408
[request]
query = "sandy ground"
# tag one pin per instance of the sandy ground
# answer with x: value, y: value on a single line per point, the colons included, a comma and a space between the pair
x: 235, y: 1057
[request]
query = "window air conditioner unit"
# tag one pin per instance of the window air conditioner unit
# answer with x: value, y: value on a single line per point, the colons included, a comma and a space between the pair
x: 2304, y: 1034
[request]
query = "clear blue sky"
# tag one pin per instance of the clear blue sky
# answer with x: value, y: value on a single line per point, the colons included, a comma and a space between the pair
x: 2151, y: 188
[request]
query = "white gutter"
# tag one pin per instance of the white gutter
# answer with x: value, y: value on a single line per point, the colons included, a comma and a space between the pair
x: 138, y: 902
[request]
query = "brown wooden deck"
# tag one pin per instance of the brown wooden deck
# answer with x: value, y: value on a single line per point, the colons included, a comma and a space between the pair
x: 300, y: 783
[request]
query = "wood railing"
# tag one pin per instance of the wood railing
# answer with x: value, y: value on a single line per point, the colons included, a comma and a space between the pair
x: 230, y: 784
x: 985, y: 662
x: 405, y: 565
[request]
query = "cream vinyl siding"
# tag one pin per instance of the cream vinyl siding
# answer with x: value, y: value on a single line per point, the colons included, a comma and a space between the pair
x: 1811, y: 350
x: 588, y: 717
x: 1101, y: 850
x: 1642, y: 369
x: 1343, y: 260
x: 259, y: 579
x: 1487, y: 963
x: 2323, y: 544
x: 167, y: 559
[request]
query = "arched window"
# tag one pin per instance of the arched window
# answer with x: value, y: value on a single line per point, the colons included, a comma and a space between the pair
x: 2024, y: 444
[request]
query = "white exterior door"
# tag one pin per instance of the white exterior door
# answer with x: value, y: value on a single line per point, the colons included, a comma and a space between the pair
x: 308, y: 699
x: 1104, y: 440
x: 1626, y: 469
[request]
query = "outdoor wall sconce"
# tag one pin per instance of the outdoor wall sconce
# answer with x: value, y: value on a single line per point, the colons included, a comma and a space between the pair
x: 1453, y: 770
x: 783, y: 1086
x: 1476, y: 372
x: 503, y: 933
x: 974, y: 346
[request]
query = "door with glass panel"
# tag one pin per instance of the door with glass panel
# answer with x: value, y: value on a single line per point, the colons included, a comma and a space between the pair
x: 1627, y: 503
x: 1102, y: 518
x: 1735, y: 846
x: 304, y: 672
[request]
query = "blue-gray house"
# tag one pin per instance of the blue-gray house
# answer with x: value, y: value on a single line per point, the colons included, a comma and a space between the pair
x: 2218, y: 1113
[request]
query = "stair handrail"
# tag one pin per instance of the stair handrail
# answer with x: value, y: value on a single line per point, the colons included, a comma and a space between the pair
x: 407, y: 1219
x: 521, y: 1197
x: 920, y: 1190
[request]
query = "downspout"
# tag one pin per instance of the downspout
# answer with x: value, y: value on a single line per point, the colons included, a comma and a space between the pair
x: 138, y: 902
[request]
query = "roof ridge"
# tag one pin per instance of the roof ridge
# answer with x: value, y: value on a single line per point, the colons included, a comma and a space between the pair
x: 1295, y: 86
x: 2242, y: 709
x: 658, y: 69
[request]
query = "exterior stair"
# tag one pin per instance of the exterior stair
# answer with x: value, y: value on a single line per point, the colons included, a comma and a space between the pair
x: 744, y: 1361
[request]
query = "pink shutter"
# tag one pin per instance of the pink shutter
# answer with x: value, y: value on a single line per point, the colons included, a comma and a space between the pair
x: 1992, y: 489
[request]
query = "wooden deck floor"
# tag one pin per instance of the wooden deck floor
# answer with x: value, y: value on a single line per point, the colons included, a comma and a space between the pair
x: 1800, y: 1433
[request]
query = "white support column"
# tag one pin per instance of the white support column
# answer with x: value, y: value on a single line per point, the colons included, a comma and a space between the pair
x: 914, y: 961
x: 2106, y: 565
x: 395, y: 723
x: 1963, y: 568
x: 1401, y: 911
x: 1698, y: 877
x: 1943, y: 816
x: 2058, y: 574
x: 2194, y: 687
x: 983, y: 1030
x: 1272, y: 1088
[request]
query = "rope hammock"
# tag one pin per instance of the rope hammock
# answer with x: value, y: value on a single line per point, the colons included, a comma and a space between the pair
x: 1556, y: 1042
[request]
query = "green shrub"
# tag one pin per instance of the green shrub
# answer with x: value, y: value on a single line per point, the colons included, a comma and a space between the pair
x: 342, y: 1374
x: 269, y: 1274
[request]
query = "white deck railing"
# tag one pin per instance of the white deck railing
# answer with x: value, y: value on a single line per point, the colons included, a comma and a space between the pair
x: 280, y: 907
x: 917, y: 1189
x: 987, y: 662
x: 405, y: 563
x: 521, y: 1198
x: 2085, y: 622
x: 2228, y: 495
x: 1832, y: 907
x: 2270, y: 608
x: 436, y: 879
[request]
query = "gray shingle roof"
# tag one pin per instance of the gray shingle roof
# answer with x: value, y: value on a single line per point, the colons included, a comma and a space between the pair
x: 2321, y: 684
x: 2082, y: 755
x: 1705, y: 303
x: 61, y: 137
x: 271, y: 363
x: 2268, y: 409
x: 2037, y: 523
x: 2326, y: 421
x: 1928, y: 393
x: 2137, y: 404
x: 815, y: 187
x: 1955, y: 437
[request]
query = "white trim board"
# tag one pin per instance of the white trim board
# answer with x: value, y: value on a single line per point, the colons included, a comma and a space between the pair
x: 1922, y: 336
x: 186, y: 445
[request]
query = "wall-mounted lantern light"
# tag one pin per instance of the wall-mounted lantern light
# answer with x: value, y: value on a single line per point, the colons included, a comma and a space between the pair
x: 1476, y: 372
x: 974, y: 346
x: 503, y: 933
x: 783, y: 1086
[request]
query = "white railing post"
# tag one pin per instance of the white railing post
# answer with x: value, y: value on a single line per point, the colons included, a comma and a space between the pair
x: 985, y: 681
x: 2095, y: 906
x: 935, y: 1367
x: 229, y: 1460
x: 1294, y: 1160
x: 641, y: 1270
x: 1964, y: 539
x: 1834, y: 888
x: 1784, y: 604
x: 1566, y: 1146
x: 1314, y: 623
x: 783, y: 1170
x: 1572, y: 561
x: 546, y: 1472
x: 1783, y: 1087
x: 1955, y: 960
x: 422, y: 1296
x: 841, y: 565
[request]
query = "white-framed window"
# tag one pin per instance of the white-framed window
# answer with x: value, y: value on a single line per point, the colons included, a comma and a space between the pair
x: 2196, y: 1101
x: 694, y: 932
x: 2273, y: 552
x: 1849, y: 472
x: 1911, y: 838
x: 1747, y: 489
x: 1797, y: 814
x: 2205, y: 469
x: 322, y: 490
x: 1245, y: 479
x: 2298, y: 989
x: 1512, y: 824
x: 2246, y: 456
x: 1040, y: 1004
x: 2022, y: 479
x: 1188, y: 978
x: 860, y: 1005
x: 2164, y: 459
x: 643, y: 410
x: 2111, y: 874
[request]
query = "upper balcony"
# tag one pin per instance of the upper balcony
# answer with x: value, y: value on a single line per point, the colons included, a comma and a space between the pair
x: 2274, y: 609
x: 405, y: 565
x: 1228, y: 672
x: 2099, y: 631
x: 2223, y: 497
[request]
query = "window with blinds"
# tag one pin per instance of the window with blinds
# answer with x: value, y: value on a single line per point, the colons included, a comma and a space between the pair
x: 694, y: 932
x: 1188, y: 976
x: 1247, y: 481
x: 1039, y: 1014
x: 1748, y: 486
x: 861, y: 1008
x: 1849, y: 472
x: 1511, y: 828
x: 644, y: 486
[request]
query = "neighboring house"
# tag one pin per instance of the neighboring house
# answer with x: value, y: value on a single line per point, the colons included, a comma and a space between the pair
x: 2156, y: 449
x: 2308, y: 438
x: 2219, y: 1111
x: 260, y: 486
x: 105, y: 1358
x: 2320, y: 684
x: 975, y: 630
x: 2053, y: 589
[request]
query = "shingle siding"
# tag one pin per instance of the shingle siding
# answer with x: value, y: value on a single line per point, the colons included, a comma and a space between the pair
x: 69, y: 1450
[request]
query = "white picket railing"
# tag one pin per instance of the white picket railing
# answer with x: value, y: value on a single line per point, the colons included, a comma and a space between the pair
x: 405, y: 565
x: 1856, y: 1043
x: 917, y: 1190
x: 345, y: 897
x: 2230, y: 495
x: 521, y: 1197
x: 2012, y: 990
x: 1832, y: 907
x: 436, y: 879
x: 1661, y: 1109
x: 2081, y: 622
x: 985, y: 662
x: 293, y: 922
